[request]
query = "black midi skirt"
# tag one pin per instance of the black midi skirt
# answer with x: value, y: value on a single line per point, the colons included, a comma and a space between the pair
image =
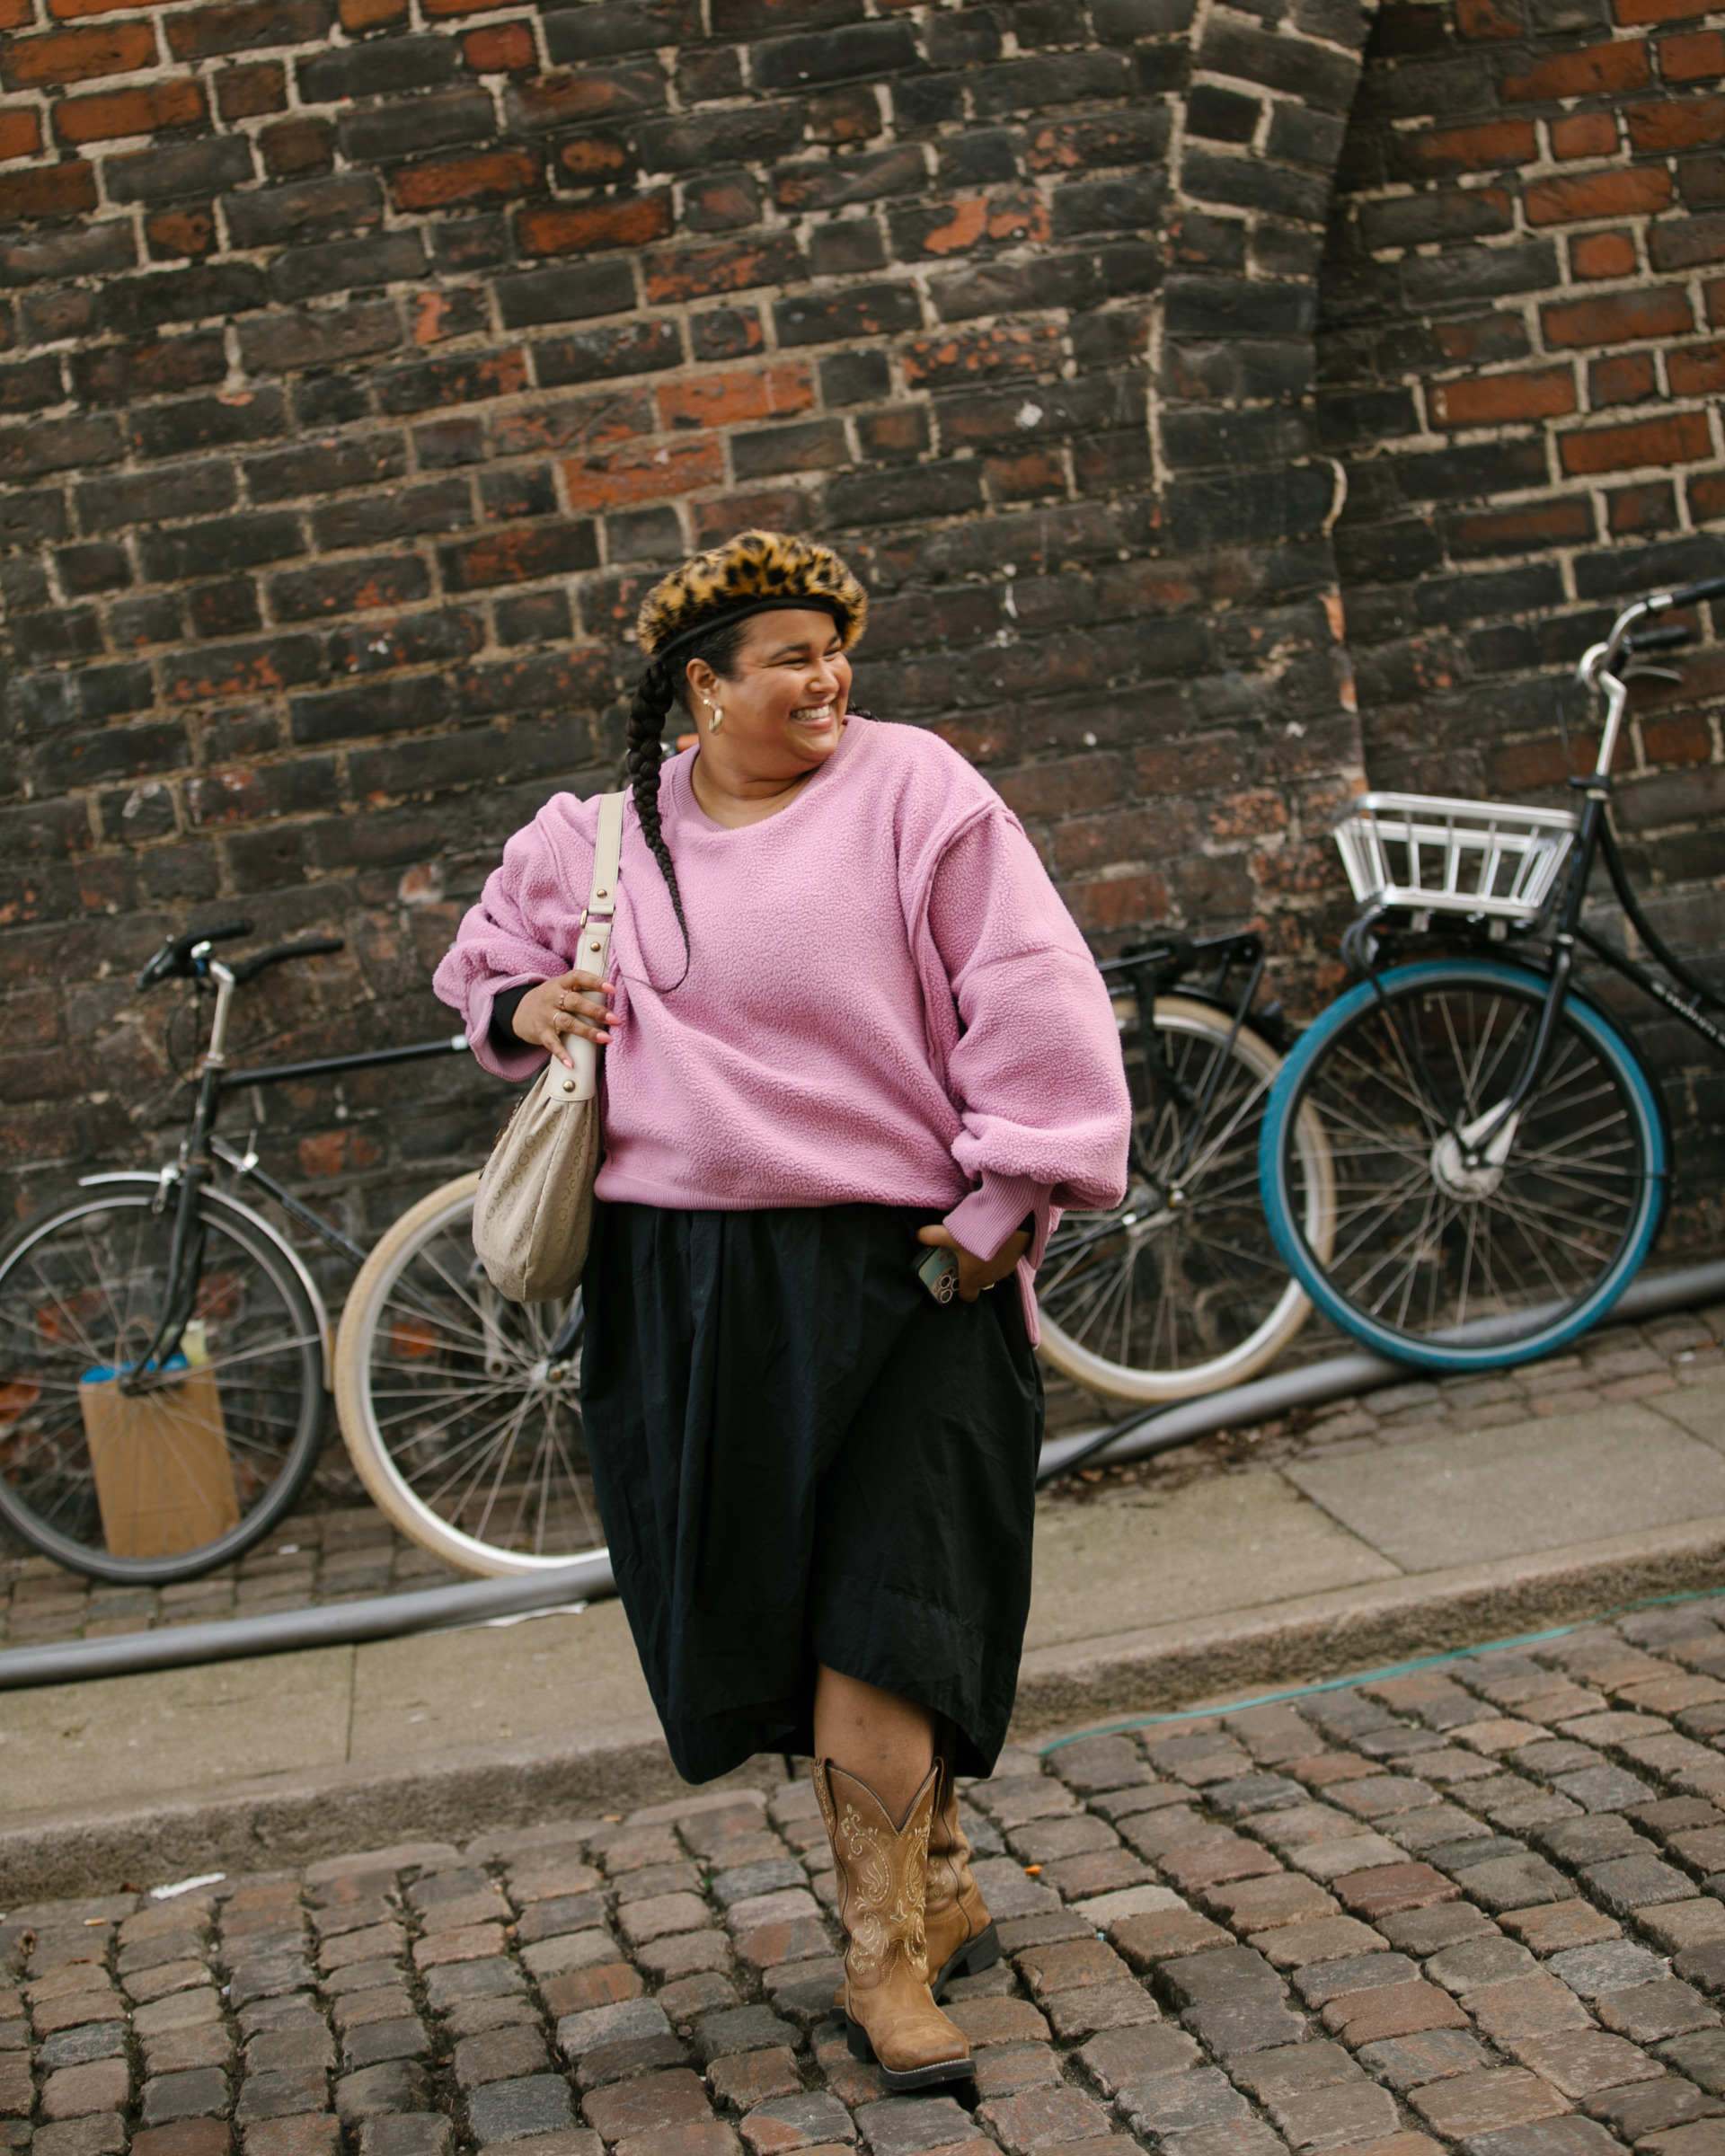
x: 800, y: 1457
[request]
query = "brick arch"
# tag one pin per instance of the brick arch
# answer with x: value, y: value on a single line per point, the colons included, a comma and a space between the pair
x: 365, y: 358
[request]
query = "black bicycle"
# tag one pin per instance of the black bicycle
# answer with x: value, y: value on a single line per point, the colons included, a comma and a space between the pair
x: 165, y: 1354
x: 1499, y: 1149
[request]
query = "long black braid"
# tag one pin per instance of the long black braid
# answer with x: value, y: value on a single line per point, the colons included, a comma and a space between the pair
x: 647, y: 715
x: 664, y: 681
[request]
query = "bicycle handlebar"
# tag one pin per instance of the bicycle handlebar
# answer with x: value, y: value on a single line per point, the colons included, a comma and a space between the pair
x: 1691, y: 595
x: 1659, y: 639
x: 257, y: 961
x: 174, y: 958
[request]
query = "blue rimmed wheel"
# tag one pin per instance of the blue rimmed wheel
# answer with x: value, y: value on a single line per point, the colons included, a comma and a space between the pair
x: 1433, y: 1262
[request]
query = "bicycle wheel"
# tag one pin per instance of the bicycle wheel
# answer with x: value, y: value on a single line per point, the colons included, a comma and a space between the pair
x: 1432, y: 1263
x: 464, y: 1433
x: 167, y: 1482
x: 1180, y: 1289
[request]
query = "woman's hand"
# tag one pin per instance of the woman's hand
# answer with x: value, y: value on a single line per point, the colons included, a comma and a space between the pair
x: 574, y: 1003
x: 976, y: 1274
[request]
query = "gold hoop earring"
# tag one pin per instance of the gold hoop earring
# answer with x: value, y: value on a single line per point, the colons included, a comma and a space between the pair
x: 718, y: 718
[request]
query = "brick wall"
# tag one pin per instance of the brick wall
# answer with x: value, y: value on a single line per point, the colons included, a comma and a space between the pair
x: 1519, y: 359
x: 364, y: 359
x: 366, y: 362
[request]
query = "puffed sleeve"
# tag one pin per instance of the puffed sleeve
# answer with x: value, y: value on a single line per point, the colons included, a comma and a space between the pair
x: 523, y: 930
x: 1036, y: 1074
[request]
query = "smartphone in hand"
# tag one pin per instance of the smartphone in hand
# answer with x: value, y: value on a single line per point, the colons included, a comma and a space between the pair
x: 938, y: 1270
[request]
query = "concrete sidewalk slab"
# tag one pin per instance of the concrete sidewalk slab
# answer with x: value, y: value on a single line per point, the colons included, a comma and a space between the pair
x: 1536, y: 1485
x: 1151, y: 1559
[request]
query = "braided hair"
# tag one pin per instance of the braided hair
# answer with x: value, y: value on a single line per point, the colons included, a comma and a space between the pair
x: 664, y: 681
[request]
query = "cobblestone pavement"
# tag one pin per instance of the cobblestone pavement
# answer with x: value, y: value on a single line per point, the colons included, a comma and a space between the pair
x: 340, y: 1547
x: 1477, y: 1907
x: 1622, y: 1364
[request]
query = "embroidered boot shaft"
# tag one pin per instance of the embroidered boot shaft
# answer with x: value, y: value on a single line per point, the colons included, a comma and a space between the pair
x: 882, y: 1871
x: 960, y: 1934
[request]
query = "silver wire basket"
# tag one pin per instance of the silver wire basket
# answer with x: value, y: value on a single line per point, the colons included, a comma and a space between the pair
x: 1485, y: 859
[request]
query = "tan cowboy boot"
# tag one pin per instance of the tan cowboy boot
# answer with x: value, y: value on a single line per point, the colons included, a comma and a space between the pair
x: 882, y: 1871
x: 962, y: 1937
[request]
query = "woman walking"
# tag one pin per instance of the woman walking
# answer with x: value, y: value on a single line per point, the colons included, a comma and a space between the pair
x: 852, y: 1036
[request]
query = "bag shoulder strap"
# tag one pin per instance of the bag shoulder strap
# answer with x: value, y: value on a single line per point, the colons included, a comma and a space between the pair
x: 602, y: 900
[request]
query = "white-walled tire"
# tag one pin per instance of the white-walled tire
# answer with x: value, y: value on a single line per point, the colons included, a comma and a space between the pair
x: 1180, y: 1290
x: 462, y: 1431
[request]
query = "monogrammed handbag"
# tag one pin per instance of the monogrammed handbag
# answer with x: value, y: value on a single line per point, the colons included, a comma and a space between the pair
x: 533, y: 1212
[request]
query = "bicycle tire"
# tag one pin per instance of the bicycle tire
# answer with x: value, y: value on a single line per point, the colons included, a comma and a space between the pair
x: 1221, y: 1287
x: 58, y: 1280
x: 421, y: 1319
x: 1364, y: 1068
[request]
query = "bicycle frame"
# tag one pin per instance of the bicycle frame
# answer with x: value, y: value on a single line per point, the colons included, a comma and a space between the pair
x: 200, y: 1149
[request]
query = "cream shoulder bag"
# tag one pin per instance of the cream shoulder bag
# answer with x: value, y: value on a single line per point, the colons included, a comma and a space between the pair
x: 533, y: 1212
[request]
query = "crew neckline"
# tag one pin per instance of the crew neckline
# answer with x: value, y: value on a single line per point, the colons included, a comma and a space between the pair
x: 693, y: 809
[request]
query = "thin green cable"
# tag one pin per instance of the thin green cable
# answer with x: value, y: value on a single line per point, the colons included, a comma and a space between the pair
x: 1374, y: 1676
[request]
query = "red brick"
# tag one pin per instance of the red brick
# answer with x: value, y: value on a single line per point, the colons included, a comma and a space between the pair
x: 50, y: 190
x: 1678, y: 126
x: 1707, y: 498
x: 1697, y: 58
x: 1585, y: 135
x: 1596, y: 255
x: 505, y: 49
x: 1635, y: 12
x: 1715, y: 292
x: 1486, y: 149
x: 724, y: 400
x: 21, y: 132
x: 66, y: 10
x: 338, y: 1152
x: 297, y: 146
x: 1483, y: 20
x: 1631, y: 510
x: 1487, y: 400
x: 964, y: 225
x: 1596, y: 70
x: 359, y: 15
x: 493, y: 177
x: 113, y: 113
x: 557, y: 229
x: 699, y: 272
x: 1625, y: 318
x: 1633, y: 190
x: 1625, y: 379
x: 78, y: 56
x: 1680, y: 438
x: 243, y: 92
x: 1698, y: 370
x: 1554, y: 522
x: 1684, y: 740
x: 180, y: 234
x: 982, y: 356
x: 466, y: 7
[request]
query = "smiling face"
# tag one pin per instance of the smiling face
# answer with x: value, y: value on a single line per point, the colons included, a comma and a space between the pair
x: 783, y: 698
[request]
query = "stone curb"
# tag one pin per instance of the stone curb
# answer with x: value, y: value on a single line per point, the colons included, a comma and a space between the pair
x: 291, y: 1821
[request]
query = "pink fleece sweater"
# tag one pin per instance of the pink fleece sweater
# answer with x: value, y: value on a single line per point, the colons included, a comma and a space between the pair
x: 812, y: 1055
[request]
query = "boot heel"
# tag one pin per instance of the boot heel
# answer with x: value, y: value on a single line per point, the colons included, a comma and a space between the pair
x: 971, y: 1960
x: 856, y: 2040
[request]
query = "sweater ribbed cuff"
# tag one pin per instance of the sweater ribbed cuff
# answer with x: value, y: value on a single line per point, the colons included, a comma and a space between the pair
x: 982, y: 1221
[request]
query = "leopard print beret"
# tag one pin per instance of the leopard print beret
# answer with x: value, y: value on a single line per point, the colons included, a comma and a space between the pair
x: 746, y: 575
